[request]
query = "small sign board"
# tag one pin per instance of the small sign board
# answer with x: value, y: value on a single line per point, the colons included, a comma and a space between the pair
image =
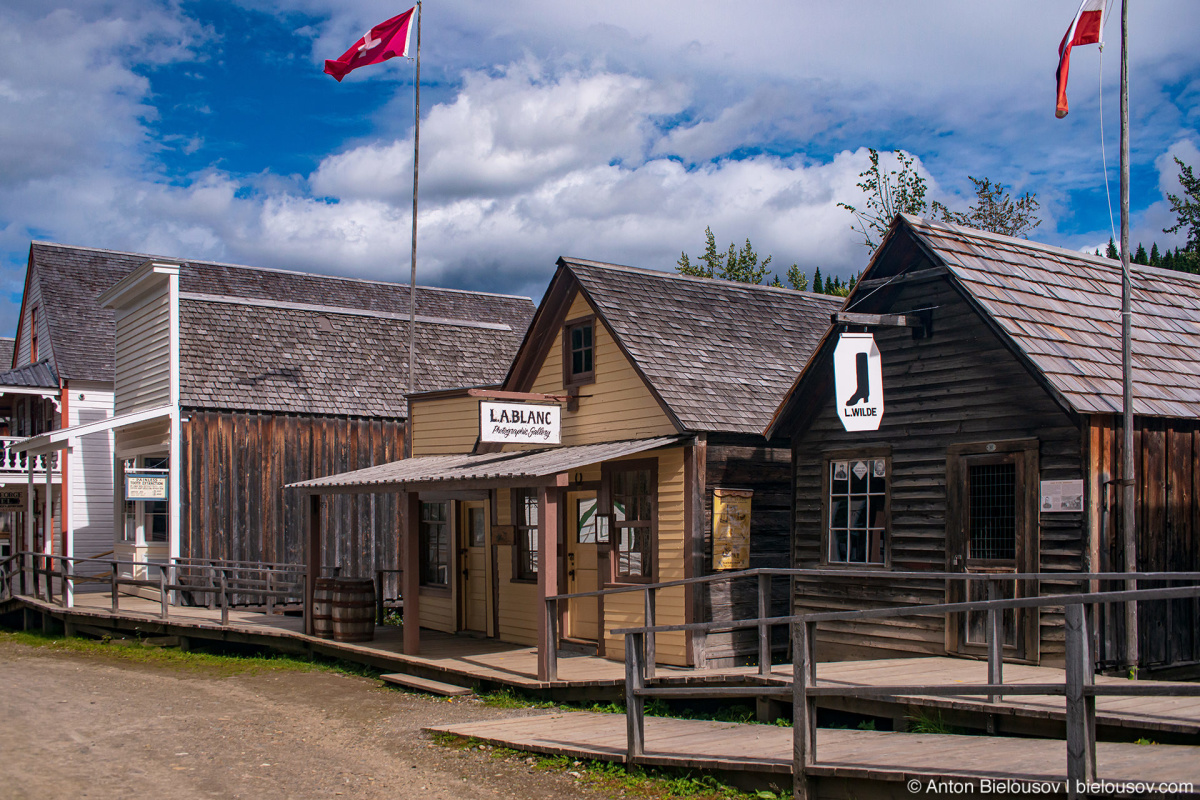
x: 520, y: 423
x: 12, y: 499
x: 858, y: 382
x: 1059, y: 497
x: 146, y: 486
x: 731, y: 528
x: 504, y: 534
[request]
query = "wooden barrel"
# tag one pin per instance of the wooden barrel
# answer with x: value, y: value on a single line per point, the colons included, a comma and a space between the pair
x: 323, y: 607
x: 354, y: 609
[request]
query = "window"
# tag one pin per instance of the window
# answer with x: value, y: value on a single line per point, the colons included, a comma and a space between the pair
x: 857, y: 510
x: 476, y: 527
x: 633, y: 500
x: 993, y: 511
x: 33, y: 334
x: 435, y: 545
x: 585, y: 520
x: 579, y: 352
x: 147, y: 521
x: 525, y: 518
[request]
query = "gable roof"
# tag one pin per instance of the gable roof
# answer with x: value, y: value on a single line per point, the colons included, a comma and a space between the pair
x: 82, y: 332
x: 717, y: 354
x: 1060, y: 311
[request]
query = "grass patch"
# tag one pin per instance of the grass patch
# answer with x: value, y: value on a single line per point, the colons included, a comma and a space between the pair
x: 612, y: 778
x: 932, y: 722
x: 133, y: 651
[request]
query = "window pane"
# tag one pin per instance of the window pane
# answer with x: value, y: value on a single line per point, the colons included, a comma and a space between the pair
x: 476, y: 526
x: 993, y: 498
x: 857, y: 504
x: 585, y: 521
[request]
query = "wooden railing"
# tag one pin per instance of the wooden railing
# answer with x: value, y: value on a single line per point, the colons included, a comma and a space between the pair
x: 1078, y: 686
x: 18, y: 463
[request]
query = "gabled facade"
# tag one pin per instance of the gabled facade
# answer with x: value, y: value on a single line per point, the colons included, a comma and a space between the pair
x: 663, y: 383
x: 1002, y: 402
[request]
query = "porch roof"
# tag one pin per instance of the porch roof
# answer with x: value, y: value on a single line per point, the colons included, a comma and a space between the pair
x: 479, y: 470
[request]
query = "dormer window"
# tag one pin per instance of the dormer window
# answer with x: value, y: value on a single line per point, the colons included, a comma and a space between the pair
x: 579, y: 352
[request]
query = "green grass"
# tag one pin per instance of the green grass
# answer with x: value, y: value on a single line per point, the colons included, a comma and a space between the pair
x: 612, y: 778
x: 931, y: 722
x: 134, y: 651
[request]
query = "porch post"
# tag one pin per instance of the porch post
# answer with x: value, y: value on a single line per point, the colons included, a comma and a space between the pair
x: 410, y: 574
x: 30, y: 499
x: 547, y: 579
x: 312, y: 569
x: 48, y: 526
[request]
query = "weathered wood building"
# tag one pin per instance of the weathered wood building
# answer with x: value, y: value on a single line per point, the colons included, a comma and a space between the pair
x: 664, y: 384
x: 999, y: 444
x: 230, y: 382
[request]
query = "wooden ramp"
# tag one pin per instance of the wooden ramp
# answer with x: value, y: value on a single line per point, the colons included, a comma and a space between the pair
x: 888, y: 760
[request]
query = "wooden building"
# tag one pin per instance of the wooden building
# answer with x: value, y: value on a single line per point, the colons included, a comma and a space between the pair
x: 661, y: 385
x: 230, y: 381
x: 999, y: 443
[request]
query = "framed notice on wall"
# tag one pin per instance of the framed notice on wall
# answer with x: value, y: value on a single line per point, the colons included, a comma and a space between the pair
x: 146, y: 486
x: 12, y: 499
x: 1058, y: 497
x: 731, y: 528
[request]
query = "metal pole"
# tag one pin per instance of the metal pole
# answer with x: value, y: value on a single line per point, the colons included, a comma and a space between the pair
x: 412, y: 281
x: 1128, y: 512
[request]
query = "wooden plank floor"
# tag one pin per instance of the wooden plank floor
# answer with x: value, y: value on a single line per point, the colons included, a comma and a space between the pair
x: 464, y: 659
x: 728, y: 746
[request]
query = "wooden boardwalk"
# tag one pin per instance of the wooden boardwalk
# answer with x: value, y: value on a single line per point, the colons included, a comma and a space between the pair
x: 871, y: 756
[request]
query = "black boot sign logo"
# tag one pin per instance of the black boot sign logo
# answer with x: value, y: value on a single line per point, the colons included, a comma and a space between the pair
x: 858, y: 382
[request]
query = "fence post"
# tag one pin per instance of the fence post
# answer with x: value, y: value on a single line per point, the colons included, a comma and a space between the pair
x: 379, y: 609
x: 764, y: 630
x: 270, y: 588
x: 224, y: 599
x: 549, y: 648
x: 49, y: 579
x: 68, y: 595
x: 995, y: 630
x: 1081, y: 710
x: 804, y: 712
x: 212, y: 584
x: 651, y: 617
x: 635, y: 720
x: 162, y: 590
x: 115, y: 585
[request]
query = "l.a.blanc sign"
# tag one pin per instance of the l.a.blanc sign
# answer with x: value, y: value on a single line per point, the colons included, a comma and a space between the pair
x: 520, y: 423
x: 858, y: 382
x: 146, y: 486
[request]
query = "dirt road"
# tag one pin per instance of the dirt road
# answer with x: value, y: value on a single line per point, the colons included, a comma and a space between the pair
x: 88, y: 726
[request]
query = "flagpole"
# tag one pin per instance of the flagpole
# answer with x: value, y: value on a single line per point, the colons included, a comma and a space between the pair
x: 412, y: 281
x: 1128, y: 512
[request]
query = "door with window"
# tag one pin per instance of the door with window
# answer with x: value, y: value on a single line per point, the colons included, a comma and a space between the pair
x: 992, y: 529
x: 583, y: 618
x: 473, y: 565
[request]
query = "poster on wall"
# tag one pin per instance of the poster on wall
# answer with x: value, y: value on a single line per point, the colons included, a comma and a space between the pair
x: 12, y: 499
x: 520, y: 423
x: 1061, y: 496
x: 146, y: 486
x: 731, y: 528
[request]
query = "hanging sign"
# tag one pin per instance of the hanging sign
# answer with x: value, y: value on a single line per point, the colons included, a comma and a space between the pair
x: 858, y: 382
x: 12, y: 499
x: 731, y: 528
x: 146, y: 486
x: 520, y: 423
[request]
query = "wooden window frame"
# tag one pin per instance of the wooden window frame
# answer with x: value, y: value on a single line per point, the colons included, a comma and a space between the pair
x: 424, y: 544
x: 857, y: 453
x: 614, y: 534
x: 570, y: 378
x: 517, y: 496
x: 33, y: 334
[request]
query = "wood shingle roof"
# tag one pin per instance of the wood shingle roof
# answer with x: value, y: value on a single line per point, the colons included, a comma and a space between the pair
x: 720, y: 354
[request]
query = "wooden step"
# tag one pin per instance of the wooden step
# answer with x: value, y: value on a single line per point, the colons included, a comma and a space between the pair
x: 425, y: 685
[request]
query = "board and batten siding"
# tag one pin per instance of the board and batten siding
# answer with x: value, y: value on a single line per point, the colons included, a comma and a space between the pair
x: 89, y: 476
x: 444, y: 425
x: 962, y: 385
x: 142, y: 359
x: 617, y: 406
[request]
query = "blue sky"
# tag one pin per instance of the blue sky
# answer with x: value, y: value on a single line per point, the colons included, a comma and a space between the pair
x: 615, y: 131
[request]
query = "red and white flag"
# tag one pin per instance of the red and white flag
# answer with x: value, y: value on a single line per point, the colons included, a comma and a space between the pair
x: 386, y: 40
x: 1085, y: 29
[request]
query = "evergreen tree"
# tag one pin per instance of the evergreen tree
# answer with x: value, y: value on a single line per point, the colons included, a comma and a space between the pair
x: 1112, y: 251
x: 817, y: 285
x: 1155, y: 258
x: 734, y: 265
x: 707, y: 265
x: 1187, y: 208
x: 796, y: 279
x: 1139, y: 255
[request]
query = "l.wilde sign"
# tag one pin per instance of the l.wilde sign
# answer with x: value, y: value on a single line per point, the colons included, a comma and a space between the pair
x: 520, y: 423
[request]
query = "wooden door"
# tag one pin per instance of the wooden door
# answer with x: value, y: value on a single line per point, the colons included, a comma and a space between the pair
x: 992, y: 530
x: 473, y: 565
x: 583, y: 618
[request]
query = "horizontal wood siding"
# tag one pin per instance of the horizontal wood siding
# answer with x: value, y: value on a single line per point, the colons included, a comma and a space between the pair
x: 1167, y: 471
x: 766, y: 471
x: 89, y: 474
x: 142, y: 358
x: 21, y: 351
x: 444, y: 425
x: 437, y: 611
x: 617, y: 406
x: 959, y: 386
x: 236, y: 465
